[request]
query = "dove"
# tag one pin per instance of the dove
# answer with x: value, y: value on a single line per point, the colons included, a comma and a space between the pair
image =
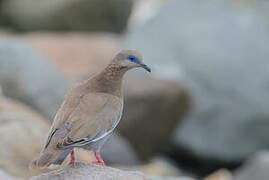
x: 89, y: 114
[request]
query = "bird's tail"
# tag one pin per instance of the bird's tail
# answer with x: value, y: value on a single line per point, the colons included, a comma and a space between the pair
x: 45, y: 159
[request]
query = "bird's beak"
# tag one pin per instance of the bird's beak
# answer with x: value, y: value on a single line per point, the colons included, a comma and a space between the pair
x: 145, y: 67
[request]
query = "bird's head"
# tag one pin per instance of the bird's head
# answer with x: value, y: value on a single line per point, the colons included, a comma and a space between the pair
x: 128, y: 59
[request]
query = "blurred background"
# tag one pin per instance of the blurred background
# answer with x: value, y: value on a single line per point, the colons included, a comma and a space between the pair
x: 201, y: 114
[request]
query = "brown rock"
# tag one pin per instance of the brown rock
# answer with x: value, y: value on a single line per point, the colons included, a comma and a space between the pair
x: 153, y: 109
x: 161, y: 167
x: 22, y: 133
x: 77, y: 55
x: 91, y: 172
x: 221, y: 174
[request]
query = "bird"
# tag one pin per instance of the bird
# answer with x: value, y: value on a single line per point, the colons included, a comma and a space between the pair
x: 89, y: 113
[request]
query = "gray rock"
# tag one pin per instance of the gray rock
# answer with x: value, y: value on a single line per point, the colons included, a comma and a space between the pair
x: 91, y: 172
x: 153, y: 108
x: 27, y: 76
x: 90, y: 15
x: 119, y: 151
x: 254, y: 168
x: 219, y: 51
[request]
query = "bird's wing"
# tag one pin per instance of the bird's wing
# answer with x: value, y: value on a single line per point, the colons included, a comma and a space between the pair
x: 71, y: 101
x: 96, y: 115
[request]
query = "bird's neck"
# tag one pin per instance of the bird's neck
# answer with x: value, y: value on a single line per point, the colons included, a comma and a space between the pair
x: 110, y: 80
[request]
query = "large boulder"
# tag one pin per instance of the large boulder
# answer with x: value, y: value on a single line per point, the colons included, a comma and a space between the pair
x: 83, y: 171
x: 76, y: 54
x: 119, y: 151
x: 91, y: 172
x: 218, y: 50
x: 22, y: 134
x: 89, y: 15
x: 27, y: 76
x: 153, y: 109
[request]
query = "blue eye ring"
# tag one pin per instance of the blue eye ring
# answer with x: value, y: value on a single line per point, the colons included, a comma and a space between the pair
x: 132, y: 58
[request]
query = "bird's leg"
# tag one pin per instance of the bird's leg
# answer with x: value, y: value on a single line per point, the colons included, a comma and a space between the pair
x: 73, y: 159
x: 99, y: 158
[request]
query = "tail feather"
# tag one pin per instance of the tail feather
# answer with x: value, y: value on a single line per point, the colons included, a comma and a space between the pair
x: 62, y: 157
x: 45, y: 159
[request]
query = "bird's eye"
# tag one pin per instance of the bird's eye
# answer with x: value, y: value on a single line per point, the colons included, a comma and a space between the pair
x: 132, y: 58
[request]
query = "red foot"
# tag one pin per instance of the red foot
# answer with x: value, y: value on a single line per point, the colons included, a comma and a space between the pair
x: 99, y: 163
x: 73, y: 159
x: 99, y: 158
